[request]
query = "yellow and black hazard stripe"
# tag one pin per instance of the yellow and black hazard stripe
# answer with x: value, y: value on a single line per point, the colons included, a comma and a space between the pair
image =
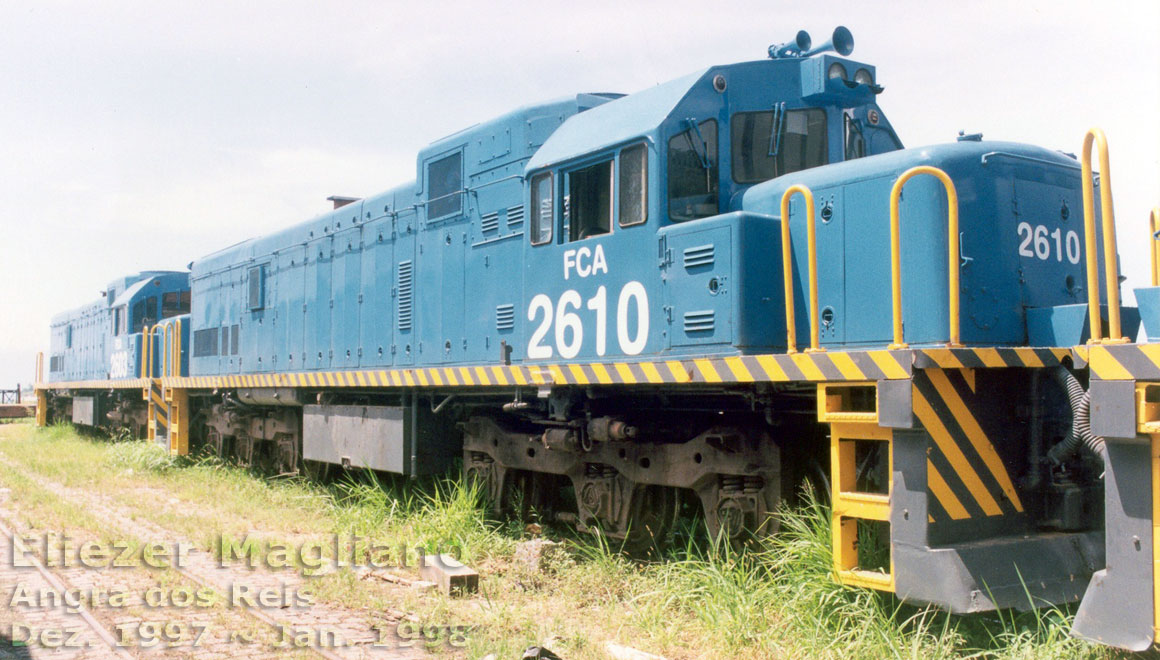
x: 804, y: 367
x: 119, y: 384
x: 158, y: 408
x: 990, y: 357
x: 1124, y: 361
x: 966, y: 477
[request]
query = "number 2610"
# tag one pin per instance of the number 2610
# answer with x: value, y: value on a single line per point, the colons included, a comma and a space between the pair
x: 569, y: 327
x: 1038, y: 242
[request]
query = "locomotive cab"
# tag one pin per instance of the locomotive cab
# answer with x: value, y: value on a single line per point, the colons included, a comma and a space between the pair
x: 143, y: 304
x: 664, y: 171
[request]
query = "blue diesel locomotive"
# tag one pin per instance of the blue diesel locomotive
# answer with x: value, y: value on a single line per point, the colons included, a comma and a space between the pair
x: 595, y: 305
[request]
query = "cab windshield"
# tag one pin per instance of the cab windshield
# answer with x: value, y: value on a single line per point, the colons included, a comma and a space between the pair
x: 775, y: 142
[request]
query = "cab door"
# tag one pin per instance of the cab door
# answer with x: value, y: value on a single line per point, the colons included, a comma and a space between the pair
x: 591, y: 275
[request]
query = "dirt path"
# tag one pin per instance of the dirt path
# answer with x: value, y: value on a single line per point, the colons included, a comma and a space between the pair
x: 263, y: 612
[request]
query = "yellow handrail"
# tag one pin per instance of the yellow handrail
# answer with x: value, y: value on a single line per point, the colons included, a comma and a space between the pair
x: 787, y: 269
x: 952, y: 252
x: 1111, y: 268
x: 166, y: 356
x: 1154, y: 230
x: 177, y: 348
x: 146, y: 368
x: 39, y: 367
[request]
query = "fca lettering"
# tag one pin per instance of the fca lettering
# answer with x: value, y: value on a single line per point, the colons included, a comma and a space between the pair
x: 578, y: 260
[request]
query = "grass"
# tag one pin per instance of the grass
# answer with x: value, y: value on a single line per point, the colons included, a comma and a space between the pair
x: 703, y: 600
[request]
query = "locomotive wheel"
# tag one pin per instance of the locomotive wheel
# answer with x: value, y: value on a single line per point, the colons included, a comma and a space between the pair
x: 285, y: 454
x: 214, y: 442
x: 244, y: 450
x: 655, y: 510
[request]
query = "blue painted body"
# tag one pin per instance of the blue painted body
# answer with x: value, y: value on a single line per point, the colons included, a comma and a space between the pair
x: 102, y: 340
x: 443, y: 271
x: 1148, y: 298
x: 1004, y: 271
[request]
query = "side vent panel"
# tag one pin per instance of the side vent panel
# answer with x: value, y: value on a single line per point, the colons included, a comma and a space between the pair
x: 489, y: 222
x: 700, y: 321
x: 505, y: 317
x: 406, y: 294
x: 699, y: 255
x: 515, y: 216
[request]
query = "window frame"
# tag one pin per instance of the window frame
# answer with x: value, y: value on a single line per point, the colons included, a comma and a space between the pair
x: 605, y: 159
x: 534, y: 225
x: 457, y: 194
x: 182, y: 307
x: 619, y: 187
x: 668, y: 197
x: 825, y: 147
x: 120, y: 318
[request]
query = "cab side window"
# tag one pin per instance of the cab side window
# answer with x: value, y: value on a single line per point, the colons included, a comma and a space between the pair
x: 693, y: 172
x: 174, y: 303
x: 119, y: 320
x: 542, y: 208
x: 144, y: 313
x: 633, y: 182
x: 588, y: 206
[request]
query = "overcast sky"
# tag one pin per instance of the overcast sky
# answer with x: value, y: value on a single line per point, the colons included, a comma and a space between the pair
x: 142, y: 135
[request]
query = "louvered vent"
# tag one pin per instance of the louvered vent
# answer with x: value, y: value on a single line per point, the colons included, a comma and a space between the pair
x: 406, y: 295
x: 700, y: 255
x: 700, y: 321
x: 205, y: 342
x: 489, y: 221
x: 505, y: 317
x: 515, y: 216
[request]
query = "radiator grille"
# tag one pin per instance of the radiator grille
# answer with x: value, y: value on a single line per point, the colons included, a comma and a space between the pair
x: 257, y: 284
x: 205, y: 342
x: 515, y: 216
x: 406, y: 294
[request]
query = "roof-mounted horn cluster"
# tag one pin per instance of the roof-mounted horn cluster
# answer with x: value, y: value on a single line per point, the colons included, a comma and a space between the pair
x: 841, y: 42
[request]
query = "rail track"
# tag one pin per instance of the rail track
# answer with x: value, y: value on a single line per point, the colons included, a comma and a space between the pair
x: 333, y: 631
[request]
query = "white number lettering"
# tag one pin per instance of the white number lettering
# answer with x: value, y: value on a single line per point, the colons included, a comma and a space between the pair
x: 634, y: 345
x: 569, y: 330
x: 536, y: 350
x: 565, y: 321
x: 1039, y: 236
x: 599, y: 304
x: 1073, y: 247
x: 1023, y: 250
x: 119, y: 365
x: 1042, y: 247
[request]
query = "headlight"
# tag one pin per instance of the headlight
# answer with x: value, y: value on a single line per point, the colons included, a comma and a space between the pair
x: 837, y: 71
x: 863, y: 77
